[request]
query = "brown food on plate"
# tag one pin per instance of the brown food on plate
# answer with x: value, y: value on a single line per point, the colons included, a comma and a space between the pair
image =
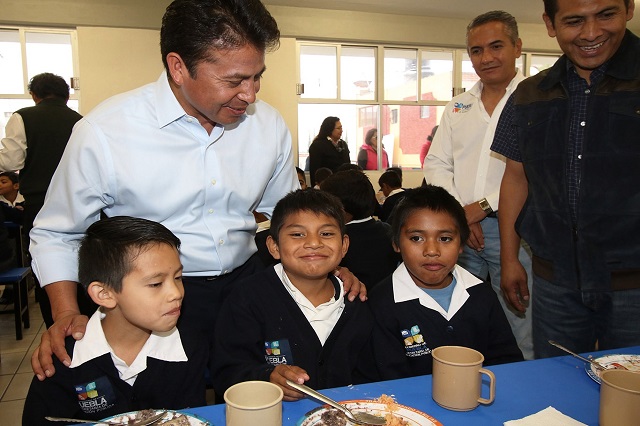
x: 333, y: 418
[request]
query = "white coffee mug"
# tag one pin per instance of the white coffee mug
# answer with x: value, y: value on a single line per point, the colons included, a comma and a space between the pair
x: 254, y: 403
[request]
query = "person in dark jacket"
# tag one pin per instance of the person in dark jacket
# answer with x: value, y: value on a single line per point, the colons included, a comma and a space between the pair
x: 132, y: 355
x: 429, y: 301
x: 327, y: 149
x: 292, y: 321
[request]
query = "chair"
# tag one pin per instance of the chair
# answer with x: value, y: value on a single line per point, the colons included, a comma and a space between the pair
x: 18, y: 278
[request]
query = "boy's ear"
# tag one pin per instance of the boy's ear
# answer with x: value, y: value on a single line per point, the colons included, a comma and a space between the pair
x: 345, y: 244
x: 273, y: 247
x: 101, y: 294
x: 395, y: 247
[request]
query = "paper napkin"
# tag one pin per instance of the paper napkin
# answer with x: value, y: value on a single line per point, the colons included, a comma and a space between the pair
x: 548, y: 417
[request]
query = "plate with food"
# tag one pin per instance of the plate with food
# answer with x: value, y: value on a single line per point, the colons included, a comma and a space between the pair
x: 394, y: 413
x: 171, y: 418
x: 619, y: 361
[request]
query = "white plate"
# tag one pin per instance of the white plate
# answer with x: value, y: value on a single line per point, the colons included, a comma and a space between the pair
x: 131, y: 416
x: 630, y: 362
x: 411, y: 415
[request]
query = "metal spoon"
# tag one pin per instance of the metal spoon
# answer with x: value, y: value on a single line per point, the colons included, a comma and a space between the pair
x: 596, y: 364
x: 151, y: 420
x: 357, y: 417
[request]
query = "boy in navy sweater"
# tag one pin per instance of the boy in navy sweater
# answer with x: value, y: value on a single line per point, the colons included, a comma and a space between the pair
x: 292, y: 320
x: 429, y: 301
x: 132, y: 356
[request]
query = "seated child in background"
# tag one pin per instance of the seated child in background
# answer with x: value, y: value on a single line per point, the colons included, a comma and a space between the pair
x: 321, y: 174
x: 302, y: 178
x: 371, y: 256
x: 10, y: 190
x: 292, y: 321
x: 132, y: 356
x: 391, y: 186
x: 429, y: 301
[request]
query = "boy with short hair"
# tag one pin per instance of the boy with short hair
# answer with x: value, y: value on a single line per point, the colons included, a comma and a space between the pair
x: 10, y: 189
x: 132, y: 356
x: 391, y: 186
x: 292, y: 321
x: 429, y: 301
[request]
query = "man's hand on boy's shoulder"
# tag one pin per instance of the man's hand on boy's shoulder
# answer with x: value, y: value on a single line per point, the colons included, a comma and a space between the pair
x: 52, y: 342
x: 352, y: 285
x: 281, y: 373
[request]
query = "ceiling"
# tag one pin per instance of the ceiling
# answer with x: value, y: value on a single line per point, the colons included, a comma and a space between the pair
x: 526, y: 11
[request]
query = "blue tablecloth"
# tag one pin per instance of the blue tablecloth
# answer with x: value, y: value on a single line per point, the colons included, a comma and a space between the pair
x: 522, y: 388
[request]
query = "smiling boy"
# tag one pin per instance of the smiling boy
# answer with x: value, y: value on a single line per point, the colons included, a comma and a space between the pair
x: 292, y: 321
x: 429, y: 301
x: 132, y: 356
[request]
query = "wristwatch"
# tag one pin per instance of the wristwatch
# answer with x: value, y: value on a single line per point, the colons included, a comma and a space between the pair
x: 484, y: 205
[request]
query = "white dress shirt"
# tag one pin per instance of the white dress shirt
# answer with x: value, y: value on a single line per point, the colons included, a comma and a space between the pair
x: 166, y: 346
x: 323, y: 318
x: 404, y: 289
x: 139, y: 154
x: 14, y: 145
x: 460, y: 158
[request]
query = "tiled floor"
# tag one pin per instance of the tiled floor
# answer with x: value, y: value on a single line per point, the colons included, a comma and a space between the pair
x: 15, y: 362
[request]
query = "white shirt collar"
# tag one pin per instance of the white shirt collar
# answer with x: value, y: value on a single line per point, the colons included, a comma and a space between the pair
x: 322, y: 318
x: 165, y: 346
x: 366, y: 219
x: 395, y: 191
x: 405, y: 289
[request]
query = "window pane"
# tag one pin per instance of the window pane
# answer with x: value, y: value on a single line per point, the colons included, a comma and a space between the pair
x: 11, y: 63
x: 437, y: 75
x: 400, y: 75
x: 49, y: 52
x: 318, y: 72
x: 357, y: 73
x: 356, y: 120
x: 541, y: 63
x: 404, y: 129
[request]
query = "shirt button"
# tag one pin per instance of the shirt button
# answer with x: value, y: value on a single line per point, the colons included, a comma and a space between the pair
x: 213, y: 181
x: 449, y: 329
x: 580, y: 157
x: 189, y: 120
x: 583, y: 123
x: 586, y: 92
x: 221, y: 242
x: 210, y: 211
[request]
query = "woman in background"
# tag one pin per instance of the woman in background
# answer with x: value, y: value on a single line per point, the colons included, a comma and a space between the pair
x: 327, y: 149
x: 368, y: 155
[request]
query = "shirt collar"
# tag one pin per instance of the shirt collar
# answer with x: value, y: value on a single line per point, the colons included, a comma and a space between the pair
x: 165, y: 346
x: 395, y: 191
x: 405, y: 289
x: 366, y: 219
x: 476, y: 90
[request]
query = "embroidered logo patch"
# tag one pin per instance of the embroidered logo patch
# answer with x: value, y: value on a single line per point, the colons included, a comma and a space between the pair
x: 278, y: 352
x: 414, y: 344
x: 459, y: 107
x: 96, y: 396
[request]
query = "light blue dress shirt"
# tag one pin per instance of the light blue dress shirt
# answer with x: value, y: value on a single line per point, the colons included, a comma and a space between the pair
x: 139, y: 154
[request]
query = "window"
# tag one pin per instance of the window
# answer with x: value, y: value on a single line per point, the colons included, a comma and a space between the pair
x: 25, y: 52
x: 377, y: 86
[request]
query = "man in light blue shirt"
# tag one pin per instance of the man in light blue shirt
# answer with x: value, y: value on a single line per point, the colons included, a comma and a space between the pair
x: 195, y: 151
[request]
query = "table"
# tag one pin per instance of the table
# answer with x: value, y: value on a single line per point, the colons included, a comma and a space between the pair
x: 522, y: 388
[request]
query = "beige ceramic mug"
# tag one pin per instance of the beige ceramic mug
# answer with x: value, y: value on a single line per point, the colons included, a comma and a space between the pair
x: 254, y: 403
x: 619, y: 398
x: 457, y: 378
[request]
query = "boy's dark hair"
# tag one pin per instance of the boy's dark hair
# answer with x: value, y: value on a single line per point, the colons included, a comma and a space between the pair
x: 13, y: 176
x: 191, y: 28
x: 551, y: 8
x: 354, y: 190
x: 47, y: 85
x: 111, y: 245
x: 391, y: 178
x: 321, y: 174
x: 348, y: 166
x: 509, y: 22
x: 310, y: 200
x: 434, y: 198
x: 299, y: 171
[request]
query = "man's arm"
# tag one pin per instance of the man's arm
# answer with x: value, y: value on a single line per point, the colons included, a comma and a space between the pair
x: 14, y: 145
x: 68, y: 322
x: 513, y: 194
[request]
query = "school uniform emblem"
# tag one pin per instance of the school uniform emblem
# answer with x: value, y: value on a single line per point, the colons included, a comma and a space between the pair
x: 95, y: 396
x: 414, y: 344
x: 278, y: 352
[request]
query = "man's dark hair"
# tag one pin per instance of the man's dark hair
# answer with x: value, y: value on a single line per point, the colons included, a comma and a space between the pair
x: 321, y: 174
x: 327, y: 127
x: 551, y: 8
x: 510, y: 24
x: 391, y: 178
x: 433, y: 198
x: 191, y: 28
x: 47, y: 85
x: 111, y: 245
x: 354, y: 190
x: 309, y: 200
